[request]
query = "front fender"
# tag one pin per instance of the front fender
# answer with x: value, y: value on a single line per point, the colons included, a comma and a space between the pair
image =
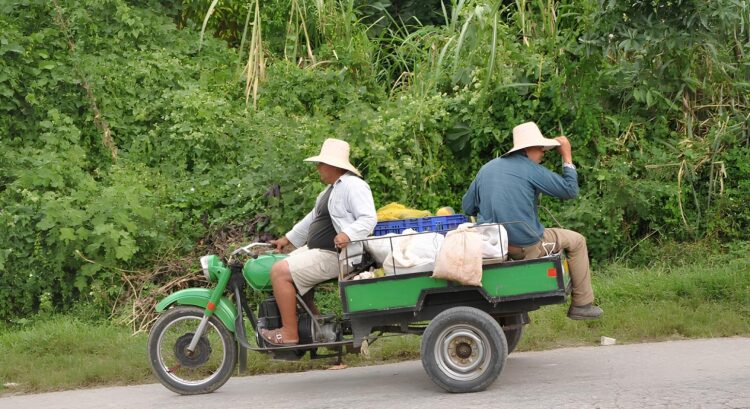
x: 225, y: 310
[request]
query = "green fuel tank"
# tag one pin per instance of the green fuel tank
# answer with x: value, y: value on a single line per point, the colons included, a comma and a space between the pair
x: 257, y: 271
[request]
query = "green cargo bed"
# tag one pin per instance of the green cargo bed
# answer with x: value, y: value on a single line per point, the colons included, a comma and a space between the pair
x: 506, y: 281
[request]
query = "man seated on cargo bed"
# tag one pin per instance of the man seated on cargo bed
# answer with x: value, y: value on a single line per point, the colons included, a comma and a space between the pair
x: 343, y: 212
x: 506, y: 190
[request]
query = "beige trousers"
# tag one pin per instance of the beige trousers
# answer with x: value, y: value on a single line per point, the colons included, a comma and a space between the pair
x: 310, y: 267
x: 578, y: 259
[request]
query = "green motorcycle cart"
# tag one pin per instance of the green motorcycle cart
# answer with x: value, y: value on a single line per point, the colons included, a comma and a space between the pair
x: 467, y: 331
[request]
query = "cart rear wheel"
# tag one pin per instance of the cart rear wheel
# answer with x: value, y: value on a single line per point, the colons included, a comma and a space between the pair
x: 513, y: 337
x: 513, y: 328
x: 463, y: 350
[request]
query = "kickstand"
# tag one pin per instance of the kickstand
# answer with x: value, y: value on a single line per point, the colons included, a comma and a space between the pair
x: 339, y: 364
x: 339, y: 357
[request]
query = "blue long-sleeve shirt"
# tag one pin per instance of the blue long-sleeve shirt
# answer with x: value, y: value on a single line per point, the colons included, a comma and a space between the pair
x: 507, y: 189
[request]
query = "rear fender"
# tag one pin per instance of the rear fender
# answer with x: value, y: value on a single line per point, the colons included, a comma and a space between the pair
x: 225, y: 309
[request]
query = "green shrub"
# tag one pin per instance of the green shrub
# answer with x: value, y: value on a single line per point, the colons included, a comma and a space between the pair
x: 651, y: 95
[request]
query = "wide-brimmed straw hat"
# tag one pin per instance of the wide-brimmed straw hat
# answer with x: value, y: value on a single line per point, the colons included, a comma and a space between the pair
x: 527, y: 135
x: 335, y: 152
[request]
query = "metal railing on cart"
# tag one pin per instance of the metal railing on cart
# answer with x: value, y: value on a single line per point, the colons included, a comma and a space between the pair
x: 349, y: 268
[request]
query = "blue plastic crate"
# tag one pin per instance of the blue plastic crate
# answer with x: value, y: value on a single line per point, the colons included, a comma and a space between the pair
x: 435, y: 223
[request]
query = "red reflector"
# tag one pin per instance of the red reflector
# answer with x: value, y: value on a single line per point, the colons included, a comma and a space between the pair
x: 210, y: 306
x: 552, y: 272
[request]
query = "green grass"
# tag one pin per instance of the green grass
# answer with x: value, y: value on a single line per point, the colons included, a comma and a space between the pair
x: 63, y: 353
x: 708, y: 299
x: 674, y: 300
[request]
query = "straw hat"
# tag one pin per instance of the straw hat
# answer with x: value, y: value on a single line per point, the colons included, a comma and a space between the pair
x: 527, y: 135
x: 335, y: 152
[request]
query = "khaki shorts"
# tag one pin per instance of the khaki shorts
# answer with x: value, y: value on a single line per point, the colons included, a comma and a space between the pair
x: 312, y: 266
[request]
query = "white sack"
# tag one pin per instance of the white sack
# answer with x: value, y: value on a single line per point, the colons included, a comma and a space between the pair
x: 380, y: 247
x: 494, y: 240
x: 460, y: 257
x: 413, y: 253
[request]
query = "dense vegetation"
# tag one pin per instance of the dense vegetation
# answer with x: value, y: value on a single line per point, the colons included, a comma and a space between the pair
x: 125, y: 141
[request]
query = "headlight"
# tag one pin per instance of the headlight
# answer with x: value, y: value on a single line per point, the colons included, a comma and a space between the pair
x: 212, y: 268
x: 204, y: 266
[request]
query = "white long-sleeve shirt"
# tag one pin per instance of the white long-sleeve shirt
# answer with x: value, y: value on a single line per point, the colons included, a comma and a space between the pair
x: 352, y: 212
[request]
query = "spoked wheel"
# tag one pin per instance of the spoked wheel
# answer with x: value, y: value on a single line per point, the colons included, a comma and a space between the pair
x: 463, y: 350
x: 204, y: 370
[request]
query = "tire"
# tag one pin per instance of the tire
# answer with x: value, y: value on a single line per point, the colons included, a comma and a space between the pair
x: 513, y: 337
x: 463, y: 350
x: 203, y: 372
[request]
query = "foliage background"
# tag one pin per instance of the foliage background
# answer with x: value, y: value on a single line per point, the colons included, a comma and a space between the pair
x: 125, y: 143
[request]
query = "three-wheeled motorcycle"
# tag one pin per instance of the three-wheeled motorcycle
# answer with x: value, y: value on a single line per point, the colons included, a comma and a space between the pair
x: 467, y: 331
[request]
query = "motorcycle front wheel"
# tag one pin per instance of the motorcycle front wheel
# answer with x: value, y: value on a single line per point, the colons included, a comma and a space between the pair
x: 205, y: 369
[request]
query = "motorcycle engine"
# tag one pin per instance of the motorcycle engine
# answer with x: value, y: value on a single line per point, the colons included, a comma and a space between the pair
x: 326, y: 329
x: 268, y: 314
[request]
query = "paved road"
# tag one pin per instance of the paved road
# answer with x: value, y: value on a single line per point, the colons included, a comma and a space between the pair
x: 712, y: 373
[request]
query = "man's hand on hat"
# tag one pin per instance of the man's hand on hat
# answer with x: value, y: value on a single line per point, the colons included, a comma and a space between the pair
x: 341, y: 240
x: 563, y: 140
x: 565, y: 150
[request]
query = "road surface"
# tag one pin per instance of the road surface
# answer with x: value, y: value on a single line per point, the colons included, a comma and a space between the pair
x: 709, y: 373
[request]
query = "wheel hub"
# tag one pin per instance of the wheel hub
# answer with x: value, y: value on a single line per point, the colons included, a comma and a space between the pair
x: 192, y: 359
x: 462, y: 354
x: 463, y: 350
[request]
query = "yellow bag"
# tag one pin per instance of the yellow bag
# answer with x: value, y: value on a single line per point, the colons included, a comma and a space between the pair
x: 397, y: 211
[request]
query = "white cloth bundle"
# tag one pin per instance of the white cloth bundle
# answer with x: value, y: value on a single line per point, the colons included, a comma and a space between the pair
x: 494, y: 240
x: 412, y: 253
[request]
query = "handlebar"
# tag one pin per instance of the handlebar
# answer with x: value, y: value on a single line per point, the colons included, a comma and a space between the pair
x: 246, y: 249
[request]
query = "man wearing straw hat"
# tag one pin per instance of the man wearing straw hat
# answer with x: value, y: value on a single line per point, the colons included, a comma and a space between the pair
x: 506, y: 190
x: 343, y: 212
